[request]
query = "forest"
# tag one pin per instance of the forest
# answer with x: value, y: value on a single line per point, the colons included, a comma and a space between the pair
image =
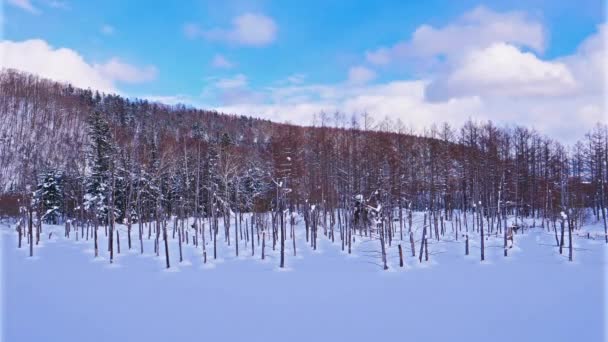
x: 92, y: 162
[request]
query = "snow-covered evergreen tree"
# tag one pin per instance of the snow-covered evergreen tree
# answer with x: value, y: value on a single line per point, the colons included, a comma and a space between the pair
x: 253, y: 185
x: 49, y: 195
x: 99, y: 162
x: 226, y: 141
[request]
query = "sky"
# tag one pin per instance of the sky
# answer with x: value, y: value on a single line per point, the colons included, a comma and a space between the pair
x: 538, y: 63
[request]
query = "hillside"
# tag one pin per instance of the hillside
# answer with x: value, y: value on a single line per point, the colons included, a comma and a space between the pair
x: 44, y: 124
x: 188, y: 160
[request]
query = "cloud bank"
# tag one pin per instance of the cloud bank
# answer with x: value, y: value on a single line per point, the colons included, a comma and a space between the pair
x: 66, y: 65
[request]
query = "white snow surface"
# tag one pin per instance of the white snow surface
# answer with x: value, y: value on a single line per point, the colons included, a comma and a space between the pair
x: 66, y: 294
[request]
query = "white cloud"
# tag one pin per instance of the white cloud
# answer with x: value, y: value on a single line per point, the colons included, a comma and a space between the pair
x: 231, y: 91
x: 502, y: 70
x: 238, y: 81
x: 395, y: 100
x: 563, y: 98
x: 564, y: 118
x: 107, y: 29
x: 66, y: 65
x: 360, y: 75
x: 297, y: 78
x: 25, y: 5
x: 249, y: 29
x: 293, y: 79
x: 496, y: 59
x: 59, y: 4
x: 381, y: 56
x: 478, y: 28
x: 589, y: 62
x: 115, y: 69
x: 221, y: 62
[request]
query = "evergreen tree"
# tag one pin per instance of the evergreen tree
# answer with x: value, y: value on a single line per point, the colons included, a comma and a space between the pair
x: 49, y: 195
x: 253, y: 185
x: 226, y: 141
x: 99, y: 162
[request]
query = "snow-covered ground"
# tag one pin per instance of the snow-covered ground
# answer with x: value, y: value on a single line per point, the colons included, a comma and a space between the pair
x: 65, y: 294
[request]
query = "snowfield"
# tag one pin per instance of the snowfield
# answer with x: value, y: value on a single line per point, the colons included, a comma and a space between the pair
x: 64, y: 293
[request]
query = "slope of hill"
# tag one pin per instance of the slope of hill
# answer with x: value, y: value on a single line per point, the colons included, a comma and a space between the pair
x: 194, y: 160
x: 44, y: 124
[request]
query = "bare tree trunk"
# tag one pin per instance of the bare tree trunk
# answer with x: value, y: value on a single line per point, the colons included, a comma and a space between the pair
x: 561, y: 242
x: 342, y: 232
x: 555, y: 231
x: 215, y: 240
x: 236, y: 234
x: 263, y: 242
x: 95, y: 237
x: 129, y: 232
x: 179, y: 243
x: 141, y: 232
x: 19, y: 231
x: 569, y: 239
x: 110, y: 218
x: 111, y: 245
x: 381, y: 228
x: 38, y: 228
x: 202, y: 225
x: 31, y: 231
x: 412, y: 244
x: 400, y: 219
x: 483, y: 250
x: 604, y: 218
x: 282, y: 237
x: 293, y: 233
x: 252, y: 245
x: 306, y: 220
x: 166, y: 243
x: 349, y: 233
x: 422, y: 240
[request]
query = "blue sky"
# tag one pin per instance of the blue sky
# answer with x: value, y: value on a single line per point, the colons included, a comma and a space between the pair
x: 289, y: 60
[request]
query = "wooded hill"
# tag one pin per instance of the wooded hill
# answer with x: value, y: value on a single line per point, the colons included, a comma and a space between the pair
x: 68, y: 152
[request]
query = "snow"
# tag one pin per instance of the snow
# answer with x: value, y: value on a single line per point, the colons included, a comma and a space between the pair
x: 534, y: 294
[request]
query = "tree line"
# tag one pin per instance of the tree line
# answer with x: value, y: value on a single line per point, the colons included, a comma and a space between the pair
x: 75, y: 154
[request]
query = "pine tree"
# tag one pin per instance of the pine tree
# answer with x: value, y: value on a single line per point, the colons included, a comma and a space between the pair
x: 49, y: 195
x: 253, y: 185
x: 99, y: 160
x: 226, y: 141
x: 123, y: 188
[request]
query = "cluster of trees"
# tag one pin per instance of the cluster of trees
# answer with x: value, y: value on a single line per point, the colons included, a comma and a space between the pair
x: 69, y: 153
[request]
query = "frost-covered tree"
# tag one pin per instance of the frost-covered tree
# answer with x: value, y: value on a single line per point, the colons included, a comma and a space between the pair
x: 253, y: 185
x: 99, y: 159
x: 49, y: 195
